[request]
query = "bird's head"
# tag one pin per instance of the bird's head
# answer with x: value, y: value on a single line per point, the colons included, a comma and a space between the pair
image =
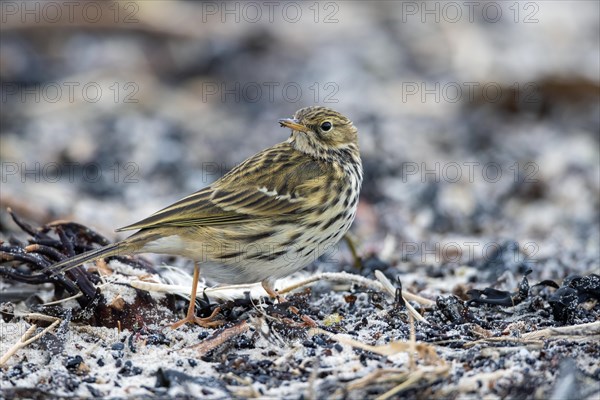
x: 320, y: 131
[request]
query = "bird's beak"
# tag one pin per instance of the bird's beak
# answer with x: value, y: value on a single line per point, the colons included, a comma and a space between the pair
x: 292, y: 123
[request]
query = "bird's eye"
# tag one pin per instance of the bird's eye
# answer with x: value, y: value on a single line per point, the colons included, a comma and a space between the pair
x: 326, y: 126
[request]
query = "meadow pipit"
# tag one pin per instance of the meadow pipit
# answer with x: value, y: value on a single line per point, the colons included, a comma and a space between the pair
x: 266, y: 218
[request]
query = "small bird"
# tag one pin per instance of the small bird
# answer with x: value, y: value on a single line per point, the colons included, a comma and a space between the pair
x: 267, y: 218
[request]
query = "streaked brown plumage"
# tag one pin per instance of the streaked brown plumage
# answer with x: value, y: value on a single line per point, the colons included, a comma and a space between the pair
x: 269, y: 216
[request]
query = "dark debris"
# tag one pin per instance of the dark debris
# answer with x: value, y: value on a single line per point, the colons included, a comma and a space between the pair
x: 56, y: 241
x: 564, y: 301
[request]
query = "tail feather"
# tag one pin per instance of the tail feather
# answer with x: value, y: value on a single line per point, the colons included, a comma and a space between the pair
x: 92, y: 255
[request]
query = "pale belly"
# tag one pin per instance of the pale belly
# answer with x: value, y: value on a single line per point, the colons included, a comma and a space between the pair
x: 223, y: 259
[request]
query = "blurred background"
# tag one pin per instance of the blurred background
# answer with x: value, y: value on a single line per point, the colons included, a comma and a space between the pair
x: 478, y: 121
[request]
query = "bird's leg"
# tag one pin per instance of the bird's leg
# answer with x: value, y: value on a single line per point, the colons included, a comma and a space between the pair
x: 268, y: 286
x: 355, y: 257
x: 207, y: 322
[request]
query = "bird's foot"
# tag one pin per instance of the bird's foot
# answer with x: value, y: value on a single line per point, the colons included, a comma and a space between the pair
x: 208, y: 322
x: 272, y: 292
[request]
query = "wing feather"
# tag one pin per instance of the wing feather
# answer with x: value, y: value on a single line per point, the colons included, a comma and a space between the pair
x: 260, y: 188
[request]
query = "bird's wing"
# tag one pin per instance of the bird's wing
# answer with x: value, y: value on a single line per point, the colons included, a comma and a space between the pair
x: 272, y: 183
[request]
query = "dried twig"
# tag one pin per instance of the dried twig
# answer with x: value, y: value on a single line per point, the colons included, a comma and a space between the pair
x: 413, y: 343
x: 311, y: 393
x: 377, y: 376
x: 220, y: 337
x: 426, y: 351
x: 473, y: 382
x: 408, y: 378
x: 412, y: 378
x: 359, y: 280
x: 223, y: 293
x: 503, y: 339
x: 391, y: 290
x: 586, y: 330
x: 407, y: 295
x: 590, y: 331
x: 334, y: 277
x: 26, y: 339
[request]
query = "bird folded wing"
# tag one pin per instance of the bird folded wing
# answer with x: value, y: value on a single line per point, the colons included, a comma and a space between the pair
x: 228, y: 202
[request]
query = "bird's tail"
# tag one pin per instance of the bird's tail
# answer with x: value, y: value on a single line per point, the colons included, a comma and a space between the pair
x: 92, y: 255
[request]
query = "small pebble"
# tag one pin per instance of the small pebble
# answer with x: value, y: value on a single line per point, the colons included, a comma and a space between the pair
x: 118, y: 346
